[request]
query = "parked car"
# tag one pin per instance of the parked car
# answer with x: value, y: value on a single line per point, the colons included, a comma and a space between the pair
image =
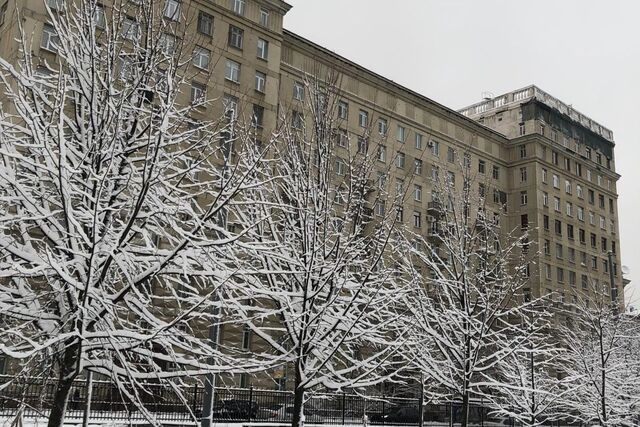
x: 286, y: 413
x: 397, y: 414
x: 233, y: 409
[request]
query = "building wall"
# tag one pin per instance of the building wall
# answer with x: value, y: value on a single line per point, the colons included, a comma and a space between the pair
x: 513, y: 132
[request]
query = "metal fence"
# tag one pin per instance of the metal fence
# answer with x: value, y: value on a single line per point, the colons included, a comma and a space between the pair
x: 253, y: 406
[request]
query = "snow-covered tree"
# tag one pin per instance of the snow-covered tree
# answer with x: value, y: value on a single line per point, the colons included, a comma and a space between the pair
x: 603, y: 346
x: 528, y: 386
x: 112, y: 194
x: 334, y: 266
x: 466, y: 315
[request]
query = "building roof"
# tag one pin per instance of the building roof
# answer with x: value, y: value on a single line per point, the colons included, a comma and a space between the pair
x: 526, y: 94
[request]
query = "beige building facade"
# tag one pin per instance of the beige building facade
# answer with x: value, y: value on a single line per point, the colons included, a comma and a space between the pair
x: 542, y: 166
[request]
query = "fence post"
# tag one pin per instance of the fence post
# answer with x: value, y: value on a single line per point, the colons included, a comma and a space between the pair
x: 450, y: 414
x: 421, y: 402
x: 195, y: 400
x: 383, y: 408
x: 87, y: 403
x: 343, y: 405
x: 250, y: 403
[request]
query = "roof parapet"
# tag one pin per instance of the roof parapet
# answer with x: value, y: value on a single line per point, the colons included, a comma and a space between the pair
x: 523, y: 95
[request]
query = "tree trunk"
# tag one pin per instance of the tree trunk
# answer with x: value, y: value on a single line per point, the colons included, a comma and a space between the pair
x: 298, y: 400
x: 465, y: 409
x: 63, y: 389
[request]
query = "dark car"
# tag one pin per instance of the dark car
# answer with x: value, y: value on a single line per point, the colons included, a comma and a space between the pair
x: 397, y: 415
x: 235, y: 409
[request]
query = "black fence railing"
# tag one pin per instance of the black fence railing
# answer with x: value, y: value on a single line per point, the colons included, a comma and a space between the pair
x: 164, y: 404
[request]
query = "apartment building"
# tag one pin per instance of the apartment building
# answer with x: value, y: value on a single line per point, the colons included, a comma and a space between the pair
x: 541, y: 166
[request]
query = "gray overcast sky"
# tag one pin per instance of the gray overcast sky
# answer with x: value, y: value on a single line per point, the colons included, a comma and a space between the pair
x: 584, y: 52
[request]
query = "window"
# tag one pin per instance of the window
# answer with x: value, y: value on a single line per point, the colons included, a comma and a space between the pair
x: 400, y: 160
x: 569, y: 209
x: 261, y: 81
x: 601, y: 201
x: 382, y: 153
x: 567, y: 186
x: 599, y: 180
x: 556, y: 204
x: 567, y: 163
x: 3, y: 14
x: 55, y: 4
x: 50, y: 39
x: 264, y: 17
x: 556, y: 181
x: 257, y: 118
x: 523, y: 174
x: 201, y: 57
x: 603, y: 244
x: 545, y: 199
x: 481, y: 166
x: 363, y: 118
x: 380, y: 207
x: 593, y: 240
x: 399, y: 214
x: 298, y: 91
x: 363, y: 145
x: 581, y: 236
x: 232, y: 71
x: 481, y: 190
x: 579, y: 169
x: 238, y: 6
x: 343, y: 109
x: 547, y: 273
x: 547, y: 247
x: 343, y: 137
x: 451, y: 155
x: 589, y: 175
x: 523, y: 151
x: 382, y: 126
x: 418, y: 141
x: 417, y: 219
x: 560, y: 275
x: 100, y: 17
x: 205, y: 23
x: 168, y: 44
x: 451, y: 178
x: 592, y: 219
x: 611, y: 205
x: 558, y: 227
x: 572, y: 278
x: 570, y: 234
x: 524, y: 221
x: 230, y: 105
x: 417, y: 169
x: 579, y: 191
x: 417, y: 192
x: 172, y: 9
x: 399, y: 186
x: 236, y: 35
x: 246, y: 338
x: 401, y: 133
x: 594, y: 262
x: 602, y: 223
x: 495, y: 172
x: 198, y: 93
x: 435, y: 148
x: 522, y: 129
x: 544, y: 175
x: 523, y: 198
x: 297, y: 120
x: 340, y: 166
x: 571, y: 255
x: 545, y: 222
x: 580, y: 213
x: 559, y: 253
x: 263, y: 49
x: 435, y: 173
